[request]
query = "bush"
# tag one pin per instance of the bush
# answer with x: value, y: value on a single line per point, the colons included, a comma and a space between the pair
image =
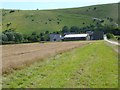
x: 110, y: 36
x: 4, y: 37
x: 74, y: 29
x: 118, y: 38
x: 58, y: 22
x: 94, y: 8
x: 8, y: 24
x: 46, y: 32
x: 11, y: 11
x: 10, y: 36
x: 34, y: 33
x: 65, y: 29
x: 33, y: 37
x: 18, y: 37
x: 50, y: 19
x: 83, y: 23
x: 46, y: 37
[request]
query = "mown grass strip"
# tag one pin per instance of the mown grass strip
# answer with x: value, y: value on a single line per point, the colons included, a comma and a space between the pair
x: 94, y: 65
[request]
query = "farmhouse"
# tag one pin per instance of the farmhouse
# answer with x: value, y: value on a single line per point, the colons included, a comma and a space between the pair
x: 55, y: 37
x: 74, y: 37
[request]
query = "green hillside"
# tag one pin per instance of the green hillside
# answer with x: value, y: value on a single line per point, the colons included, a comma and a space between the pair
x: 28, y: 21
x: 98, y: 11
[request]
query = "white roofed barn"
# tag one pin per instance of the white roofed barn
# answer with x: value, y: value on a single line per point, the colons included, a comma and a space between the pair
x: 73, y: 37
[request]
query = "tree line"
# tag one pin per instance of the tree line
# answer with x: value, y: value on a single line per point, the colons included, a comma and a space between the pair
x: 11, y: 36
x: 105, y: 29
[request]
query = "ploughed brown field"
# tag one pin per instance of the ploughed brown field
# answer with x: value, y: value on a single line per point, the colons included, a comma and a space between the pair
x: 19, y: 55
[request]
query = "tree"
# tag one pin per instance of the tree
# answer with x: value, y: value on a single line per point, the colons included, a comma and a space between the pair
x: 10, y: 36
x: 46, y: 37
x: 42, y: 38
x: 46, y: 32
x: 18, y: 37
x: 58, y: 22
x: 65, y: 29
x: 25, y: 37
x: 33, y: 38
x: 34, y: 33
x: 83, y: 23
x: 41, y: 34
x: 94, y: 8
x: 74, y: 29
x: 4, y: 37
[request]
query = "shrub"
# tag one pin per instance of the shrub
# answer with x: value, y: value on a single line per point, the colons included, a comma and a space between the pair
x: 34, y: 33
x: 46, y: 37
x: 11, y: 11
x: 74, y: 29
x: 18, y: 37
x: 109, y: 35
x: 41, y: 34
x: 46, y: 32
x: 83, y: 23
x: 118, y: 38
x: 58, y: 22
x: 4, y: 37
x: 8, y: 24
x: 65, y: 29
x: 50, y: 19
x: 110, y: 19
x: 94, y: 8
x: 87, y: 10
x: 33, y: 38
x: 10, y: 36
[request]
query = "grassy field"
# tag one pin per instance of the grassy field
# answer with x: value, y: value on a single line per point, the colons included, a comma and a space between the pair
x: 17, y: 56
x: 28, y: 21
x: 94, y: 65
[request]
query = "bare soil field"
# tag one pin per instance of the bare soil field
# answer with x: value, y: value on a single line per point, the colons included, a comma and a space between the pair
x: 17, y: 56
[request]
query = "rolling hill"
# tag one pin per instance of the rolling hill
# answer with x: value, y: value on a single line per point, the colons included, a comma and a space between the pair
x: 28, y: 21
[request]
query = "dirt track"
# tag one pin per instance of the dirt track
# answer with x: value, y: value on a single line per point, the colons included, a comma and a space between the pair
x: 16, y: 56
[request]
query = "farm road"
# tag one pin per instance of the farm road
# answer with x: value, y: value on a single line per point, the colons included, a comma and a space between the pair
x: 112, y: 42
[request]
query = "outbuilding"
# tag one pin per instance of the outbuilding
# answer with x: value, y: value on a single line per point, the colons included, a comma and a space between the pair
x: 55, y: 37
x: 95, y: 35
x: 75, y: 37
x: 98, y: 35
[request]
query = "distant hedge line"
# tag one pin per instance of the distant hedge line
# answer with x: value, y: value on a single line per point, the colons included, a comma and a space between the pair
x: 13, y: 37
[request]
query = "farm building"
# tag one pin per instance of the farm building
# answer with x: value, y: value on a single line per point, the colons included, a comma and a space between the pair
x: 90, y: 34
x: 98, y: 35
x: 55, y: 37
x: 74, y: 37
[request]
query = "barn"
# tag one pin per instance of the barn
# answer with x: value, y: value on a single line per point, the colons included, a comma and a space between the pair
x: 75, y: 37
x: 98, y: 35
x: 55, y: 37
